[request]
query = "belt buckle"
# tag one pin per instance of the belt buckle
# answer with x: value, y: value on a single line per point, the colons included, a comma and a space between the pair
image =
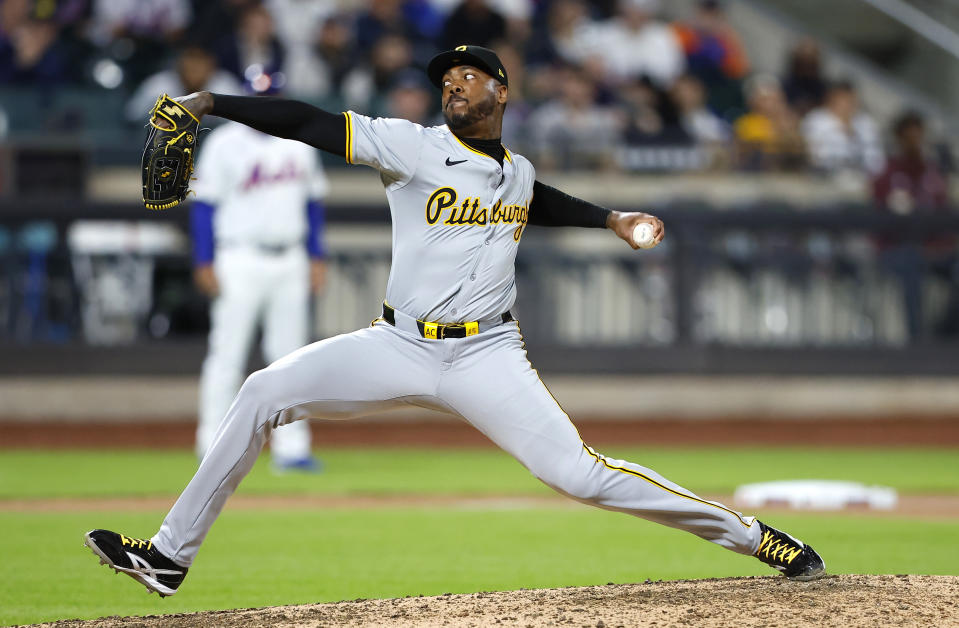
x: 438, y: 331
x: 273, y: 249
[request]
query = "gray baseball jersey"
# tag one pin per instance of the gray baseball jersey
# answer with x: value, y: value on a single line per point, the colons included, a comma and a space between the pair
x: 458, y: 218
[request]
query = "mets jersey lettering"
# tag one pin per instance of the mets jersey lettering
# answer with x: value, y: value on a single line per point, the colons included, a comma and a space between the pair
x: 260, y: 185
x: 261, y: 174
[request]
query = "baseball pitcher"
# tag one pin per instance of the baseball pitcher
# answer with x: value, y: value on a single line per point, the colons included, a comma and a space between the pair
x: 460, y: 202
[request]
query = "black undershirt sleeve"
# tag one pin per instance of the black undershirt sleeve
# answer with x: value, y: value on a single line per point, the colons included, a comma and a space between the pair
x: 290, y: 119
x: 552, y: 208
x: 295, y: 120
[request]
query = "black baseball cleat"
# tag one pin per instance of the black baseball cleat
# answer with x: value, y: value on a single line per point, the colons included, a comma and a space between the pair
x: 138, y: 559
x: 795, y: 559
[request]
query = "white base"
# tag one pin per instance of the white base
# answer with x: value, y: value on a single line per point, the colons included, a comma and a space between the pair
x: 815, y: 495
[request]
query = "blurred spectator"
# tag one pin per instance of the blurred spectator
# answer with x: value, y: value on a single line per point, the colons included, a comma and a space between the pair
x: 297, y: 21
x: 767, y: 135
x: 635, y: 44
x: 509, y: 9
x: 426, y: 19
x: 70, y: 16
x: 715, y: 55
x: 253, y: 47
x: 381, y: 18
x: 65, y: 13
x: 839, y: 135
x: 30, y: 55
x: 604, y: 9
x: 573, y: 131
x: 472, y: 22
x: 519, y: 18
x: 650, y: 118
x: 299, y: 26
x: 132, y: 30
x: 316, y: 66
x: 139, y: 19
x: 13, y: 13
x: 699, y: 123
x: 416, y: 20
x: 912, y: 183
x: 195, y: 70
x: 516, y: 116
x: 365, y: 83
x: 804, y: 84
x: 569, y: 34
x: 213, y: 21
x: 411, y: 97
x: 335, y: 50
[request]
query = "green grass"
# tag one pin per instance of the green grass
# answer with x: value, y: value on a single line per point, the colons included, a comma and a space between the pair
x: 295, y: 556
x: 258, y: 559
x: 26, y: 474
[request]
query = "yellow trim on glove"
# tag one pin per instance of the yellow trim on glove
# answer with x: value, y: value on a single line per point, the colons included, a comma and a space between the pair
x: 172, y: 109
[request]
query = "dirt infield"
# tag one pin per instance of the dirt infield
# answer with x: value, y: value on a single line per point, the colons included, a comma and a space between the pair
x: 848, y: 600
x: 838, y: 431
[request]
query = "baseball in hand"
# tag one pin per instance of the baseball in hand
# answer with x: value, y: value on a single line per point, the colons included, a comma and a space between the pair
x: 643, y: 236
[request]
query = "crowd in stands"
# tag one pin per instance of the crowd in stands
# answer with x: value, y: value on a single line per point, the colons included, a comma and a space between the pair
x: 594, y: 84
x: 590, y: 81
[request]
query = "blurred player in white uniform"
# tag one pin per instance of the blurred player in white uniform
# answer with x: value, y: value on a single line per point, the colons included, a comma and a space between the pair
x: 256, y: 224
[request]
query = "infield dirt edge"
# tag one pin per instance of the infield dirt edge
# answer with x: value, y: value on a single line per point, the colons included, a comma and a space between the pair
x: 843, y: 600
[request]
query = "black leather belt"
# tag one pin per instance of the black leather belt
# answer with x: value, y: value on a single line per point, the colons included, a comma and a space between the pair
x: 260, y: 247
x: 440, y: 331
x: 274, y: 249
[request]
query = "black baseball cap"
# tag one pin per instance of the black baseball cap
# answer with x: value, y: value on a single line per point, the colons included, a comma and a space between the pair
x: 476, y: 56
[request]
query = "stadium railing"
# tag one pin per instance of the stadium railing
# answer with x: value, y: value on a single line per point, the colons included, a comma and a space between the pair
x: 840, y: 289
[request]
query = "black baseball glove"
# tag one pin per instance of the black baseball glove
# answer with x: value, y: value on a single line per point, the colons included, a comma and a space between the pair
x: 167, y: 161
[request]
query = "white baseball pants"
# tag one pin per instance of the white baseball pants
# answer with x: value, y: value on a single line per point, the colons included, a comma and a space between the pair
x: 255, y: 287
x: 486, y: 379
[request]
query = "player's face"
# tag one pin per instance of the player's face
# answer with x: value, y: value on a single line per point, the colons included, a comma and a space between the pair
x: 469, y: 95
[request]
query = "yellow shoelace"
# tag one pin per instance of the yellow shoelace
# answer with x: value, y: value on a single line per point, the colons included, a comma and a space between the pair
x: 139, y: 543
x: 777, y: 549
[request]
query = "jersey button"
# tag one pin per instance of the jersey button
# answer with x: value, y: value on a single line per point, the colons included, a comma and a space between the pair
x: 453, y: 311
x: 487, y: 241
x: 473, y: 277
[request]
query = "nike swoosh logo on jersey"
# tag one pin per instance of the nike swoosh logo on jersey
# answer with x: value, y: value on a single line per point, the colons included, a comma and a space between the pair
x: 453, y: 163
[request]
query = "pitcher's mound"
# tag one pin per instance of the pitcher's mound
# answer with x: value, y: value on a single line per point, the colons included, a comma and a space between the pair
x: 769, y: 601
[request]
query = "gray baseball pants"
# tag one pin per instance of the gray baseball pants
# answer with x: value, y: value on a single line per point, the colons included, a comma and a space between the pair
x: 485, y: 378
